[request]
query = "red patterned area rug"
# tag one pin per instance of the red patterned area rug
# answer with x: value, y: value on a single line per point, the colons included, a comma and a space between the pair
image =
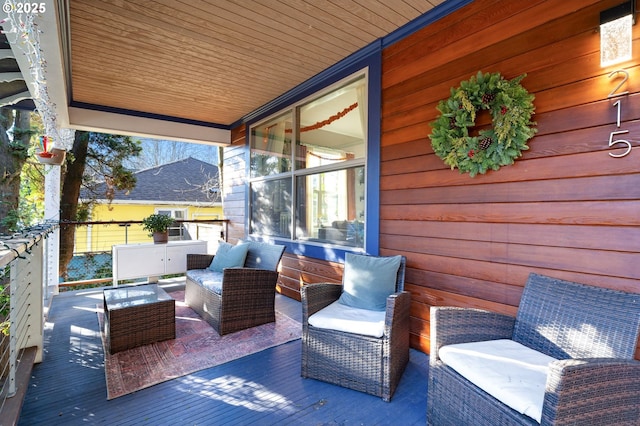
x: 197, y: 346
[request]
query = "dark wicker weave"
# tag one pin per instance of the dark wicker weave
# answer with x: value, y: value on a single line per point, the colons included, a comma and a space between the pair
x: 364, y: 363
x: 150, y: 321
x: 248, y: 294
x: 592, y: 330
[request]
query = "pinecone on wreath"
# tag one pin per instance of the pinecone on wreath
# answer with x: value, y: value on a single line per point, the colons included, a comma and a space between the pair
x: 485, y: 142
x: 487, y: 98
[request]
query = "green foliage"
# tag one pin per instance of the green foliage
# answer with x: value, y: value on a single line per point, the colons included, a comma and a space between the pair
x: 95, y: 158
x: 18, y: 149
x: 106, y: 155
x: 19, y: 133
x: 157, y: 223
x: 511, y: 108
x: 11, y: 220
x: 84, y: 209
x: 20, y: 145
x: 30, y: 207
x: 123, y: 178
x: 5, y: 299
x: 94, y: 262
x: 31, y: 202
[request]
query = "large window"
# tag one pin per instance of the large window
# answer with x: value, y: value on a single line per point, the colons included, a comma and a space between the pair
x: 308, y: 168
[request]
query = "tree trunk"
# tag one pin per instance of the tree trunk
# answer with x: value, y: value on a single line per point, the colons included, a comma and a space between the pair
x: 13, y: 155
x: 69, y: 199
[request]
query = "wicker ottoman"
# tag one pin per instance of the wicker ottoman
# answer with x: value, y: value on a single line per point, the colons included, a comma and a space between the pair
x: 138, y: 315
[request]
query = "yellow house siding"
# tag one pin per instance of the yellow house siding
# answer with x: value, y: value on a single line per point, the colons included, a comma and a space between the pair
x: 101, y: 237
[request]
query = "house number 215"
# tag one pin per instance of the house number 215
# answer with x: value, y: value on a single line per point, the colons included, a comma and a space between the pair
x: 618, y: 105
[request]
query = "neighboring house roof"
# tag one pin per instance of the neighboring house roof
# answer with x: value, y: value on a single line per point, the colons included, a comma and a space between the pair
x: 187, y: 180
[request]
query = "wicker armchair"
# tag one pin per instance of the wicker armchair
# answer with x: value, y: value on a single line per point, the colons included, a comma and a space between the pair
x: 591, y: 331
x: 248, y: 294
x: 364, y: 363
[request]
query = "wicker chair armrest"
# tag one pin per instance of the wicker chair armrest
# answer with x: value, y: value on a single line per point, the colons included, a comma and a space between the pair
x: 397, y: 313
x: 450, y: 325
x: 317, y: 296
x: 592, y: 391
x: 198, y: 261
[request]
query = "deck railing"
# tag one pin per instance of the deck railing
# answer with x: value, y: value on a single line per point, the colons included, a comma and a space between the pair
x: 26, y: 261
x: 22, y: 295
x: 90, y: 262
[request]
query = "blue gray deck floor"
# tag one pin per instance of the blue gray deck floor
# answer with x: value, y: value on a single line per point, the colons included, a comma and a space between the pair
x: 68, y: 387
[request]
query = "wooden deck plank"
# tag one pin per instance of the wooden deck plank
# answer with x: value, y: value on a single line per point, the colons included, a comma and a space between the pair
x: 13, y: 405
x: 69, y: 388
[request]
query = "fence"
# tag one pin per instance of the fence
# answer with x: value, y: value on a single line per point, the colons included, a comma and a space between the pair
x: 22, y: 278
x: 89, y: 259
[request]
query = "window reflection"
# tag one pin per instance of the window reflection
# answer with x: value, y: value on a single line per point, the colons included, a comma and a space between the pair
x: 271, y: 147
x: 317, y: 148
x: 332, y: 127
x: 271, y: 208
x: 331, y: 207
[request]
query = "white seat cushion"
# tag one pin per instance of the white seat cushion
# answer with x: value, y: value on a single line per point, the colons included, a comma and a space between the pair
x: 510, y: 372
x: 341, y: 317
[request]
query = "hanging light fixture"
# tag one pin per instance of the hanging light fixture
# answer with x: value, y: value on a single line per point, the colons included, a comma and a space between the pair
x: 615, y: 33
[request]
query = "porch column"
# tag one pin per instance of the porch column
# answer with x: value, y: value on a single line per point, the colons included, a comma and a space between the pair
x: 52, y: 189
x: 51, y: 214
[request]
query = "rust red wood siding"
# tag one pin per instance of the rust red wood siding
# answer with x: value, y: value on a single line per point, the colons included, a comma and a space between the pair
x: 566, y: 208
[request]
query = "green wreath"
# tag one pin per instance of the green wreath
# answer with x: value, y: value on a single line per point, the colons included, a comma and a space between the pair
x: 511, y: 108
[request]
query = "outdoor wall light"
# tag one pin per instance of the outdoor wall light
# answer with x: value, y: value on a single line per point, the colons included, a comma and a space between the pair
x: 615, y: 33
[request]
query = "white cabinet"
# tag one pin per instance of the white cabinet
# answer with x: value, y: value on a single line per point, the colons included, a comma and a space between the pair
x: 176, y: 256
x: 152, y: 260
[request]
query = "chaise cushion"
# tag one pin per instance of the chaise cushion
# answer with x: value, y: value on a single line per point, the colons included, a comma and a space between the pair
x: 509, y: 371
x: 345, y: 318
x: 369, y: 280
x: 229, y: 256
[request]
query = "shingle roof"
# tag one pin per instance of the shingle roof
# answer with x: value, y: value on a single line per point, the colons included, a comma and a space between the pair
x: 187, y: 180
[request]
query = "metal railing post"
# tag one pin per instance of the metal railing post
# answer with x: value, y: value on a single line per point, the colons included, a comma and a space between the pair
x: 31, y: 300
x: 24, y: 256
x: 13, y: 326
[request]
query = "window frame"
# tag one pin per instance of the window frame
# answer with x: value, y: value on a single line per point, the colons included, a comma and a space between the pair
x: 370, y: 66
x: 172, y: 211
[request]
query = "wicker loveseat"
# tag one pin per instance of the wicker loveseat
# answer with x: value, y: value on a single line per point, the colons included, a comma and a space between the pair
x: 590, y: 332
x: 361, y: 362
x: 237, y: 298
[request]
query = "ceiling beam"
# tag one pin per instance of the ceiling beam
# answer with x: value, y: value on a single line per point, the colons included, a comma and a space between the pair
x: 122, y: 124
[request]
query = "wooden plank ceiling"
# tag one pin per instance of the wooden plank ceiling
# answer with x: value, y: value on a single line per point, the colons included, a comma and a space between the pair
x: 216, y: 60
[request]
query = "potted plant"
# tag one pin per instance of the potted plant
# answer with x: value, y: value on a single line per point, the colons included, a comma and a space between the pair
x: 158, y: 225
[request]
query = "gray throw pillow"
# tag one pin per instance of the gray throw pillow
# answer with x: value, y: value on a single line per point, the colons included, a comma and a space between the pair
x: 368, y: 281
x: 229, y: 256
